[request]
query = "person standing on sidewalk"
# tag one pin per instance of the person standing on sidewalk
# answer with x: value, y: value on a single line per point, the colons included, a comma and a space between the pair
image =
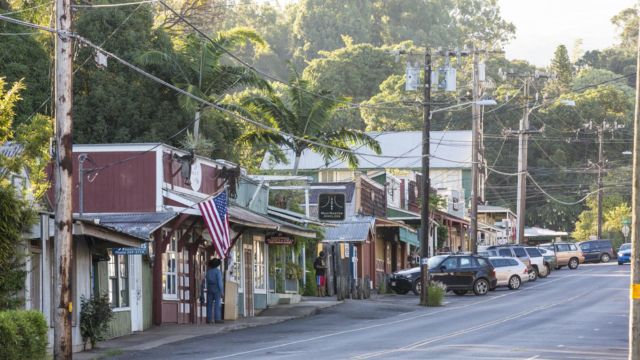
x: 215, y: 291
x: 321, y: 266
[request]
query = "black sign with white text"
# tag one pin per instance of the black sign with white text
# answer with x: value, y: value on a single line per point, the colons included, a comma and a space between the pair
x: 331, y: 207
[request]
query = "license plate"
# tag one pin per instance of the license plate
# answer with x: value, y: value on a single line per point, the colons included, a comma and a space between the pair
x: 393, y: 283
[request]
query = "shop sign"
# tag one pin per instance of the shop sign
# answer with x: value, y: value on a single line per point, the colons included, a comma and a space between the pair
x: 279, y: 240
x: 331, y: 206
x: 130, y: 251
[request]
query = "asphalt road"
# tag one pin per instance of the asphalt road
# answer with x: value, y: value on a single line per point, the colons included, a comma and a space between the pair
x: 573, y: 314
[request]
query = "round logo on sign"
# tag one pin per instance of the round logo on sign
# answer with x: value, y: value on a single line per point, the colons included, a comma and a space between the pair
x: 196, y: 175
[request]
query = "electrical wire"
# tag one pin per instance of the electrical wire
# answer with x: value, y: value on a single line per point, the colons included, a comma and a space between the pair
x: 97, y: 6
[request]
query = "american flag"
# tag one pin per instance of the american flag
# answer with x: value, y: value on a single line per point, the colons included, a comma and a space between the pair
x: 214, y: 212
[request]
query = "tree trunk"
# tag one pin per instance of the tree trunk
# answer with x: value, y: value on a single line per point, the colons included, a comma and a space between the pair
x: 296, y: 163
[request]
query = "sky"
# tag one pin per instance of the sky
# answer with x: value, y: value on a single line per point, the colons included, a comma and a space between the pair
x: 542, y: 25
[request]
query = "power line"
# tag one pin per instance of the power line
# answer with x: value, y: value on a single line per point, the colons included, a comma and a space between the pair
x: 96, y: 6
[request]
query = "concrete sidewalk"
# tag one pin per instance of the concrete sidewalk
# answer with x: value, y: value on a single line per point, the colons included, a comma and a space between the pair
x: 166, y: 334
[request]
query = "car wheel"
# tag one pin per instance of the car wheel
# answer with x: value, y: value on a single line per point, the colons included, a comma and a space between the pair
x: 514, y: 282
x: 533, y: 274
x: 417, y: 287
x: 573, y: 263
x: 481, y: 287
x: 605, y: 258
x: 547, y: 271
x: 460, y: 292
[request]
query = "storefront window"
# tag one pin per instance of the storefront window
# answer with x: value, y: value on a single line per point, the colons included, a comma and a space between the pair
x: 237, y: 263
x: 169, y: 266
x: 118, y: 269
x: 258, y: 263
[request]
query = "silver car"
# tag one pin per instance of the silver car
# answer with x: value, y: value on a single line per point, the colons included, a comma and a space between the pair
x: 511, y: 272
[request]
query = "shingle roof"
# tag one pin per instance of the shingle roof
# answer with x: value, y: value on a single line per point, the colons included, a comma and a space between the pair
x: 449, y: 149
x: 350, y: 231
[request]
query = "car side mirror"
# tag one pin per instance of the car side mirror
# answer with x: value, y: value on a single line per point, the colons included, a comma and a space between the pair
x: 443, y: 268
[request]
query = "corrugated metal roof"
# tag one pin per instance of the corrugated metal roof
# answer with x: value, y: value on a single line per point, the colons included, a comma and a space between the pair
x: 137, y: 224
x: 10, y: 149
x: 449, y: 149
x: 349, y: 231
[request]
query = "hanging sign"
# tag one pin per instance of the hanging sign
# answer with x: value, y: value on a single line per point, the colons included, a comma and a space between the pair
x: 130, y: 251
x: 279, y: 240
x: 331, y: 206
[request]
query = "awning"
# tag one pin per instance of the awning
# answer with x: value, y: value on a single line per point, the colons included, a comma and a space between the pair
x: 137, y: 224
x: 106, y: 237
x: 349, y: 231
x: 242, y: 216
x: 409, y: 237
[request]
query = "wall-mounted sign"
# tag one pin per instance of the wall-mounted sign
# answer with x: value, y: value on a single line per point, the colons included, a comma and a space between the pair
x: 196, y: 175
x: 130, y: 251
x: 279, y: 240
x: 331, y: 207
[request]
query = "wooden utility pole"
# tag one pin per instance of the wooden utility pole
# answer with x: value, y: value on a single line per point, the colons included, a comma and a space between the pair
x: 634, y: 311
x: 522, y: 164
x: 600, y: 166
x: 63, y: 168
x: 426, y: 182
x: 475, y: 150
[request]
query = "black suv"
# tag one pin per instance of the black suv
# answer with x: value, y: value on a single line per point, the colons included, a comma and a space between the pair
x: 597, y: 250
x: 460, y: 274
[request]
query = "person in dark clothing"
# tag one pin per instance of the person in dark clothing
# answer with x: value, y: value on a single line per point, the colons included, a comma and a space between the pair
x: 215, y: 291
x: 320, y: 265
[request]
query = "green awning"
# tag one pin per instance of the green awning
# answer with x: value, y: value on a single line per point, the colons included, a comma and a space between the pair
x: 409, y: 237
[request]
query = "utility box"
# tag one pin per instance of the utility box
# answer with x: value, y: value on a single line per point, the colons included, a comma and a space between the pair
x: 230, y: 300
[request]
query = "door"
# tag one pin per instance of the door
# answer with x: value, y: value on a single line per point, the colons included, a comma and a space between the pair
x: 465, y: 273
x: 562, y: 253
x: 444, y: 273
x: 248, y: 280
x: 590, y: 251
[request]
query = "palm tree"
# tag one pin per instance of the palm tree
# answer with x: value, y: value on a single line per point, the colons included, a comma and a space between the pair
x: 307, y: 116
x: 199, y: 67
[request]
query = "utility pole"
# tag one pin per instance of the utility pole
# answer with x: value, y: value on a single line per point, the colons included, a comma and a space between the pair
x: 600, y: 166
x: 475, y: 150
x: 63, y: 170
x: 523, y: 142
x: 426, y: 182
x: 634, y: 311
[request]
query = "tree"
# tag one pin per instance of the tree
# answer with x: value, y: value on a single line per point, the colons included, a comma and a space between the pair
x: 627, y: 22
x: 24, y: 58
x: 320, y: 25
x: 16, y: 215
x: 115, y: 104
x: 479, y: 22
x: 562, y: 70
x: 306, y: 115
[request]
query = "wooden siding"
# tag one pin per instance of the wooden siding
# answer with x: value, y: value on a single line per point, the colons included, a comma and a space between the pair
x: 210, y: 183
x: 377, y: 207
x: 127, y: 183
x: 120, y: 325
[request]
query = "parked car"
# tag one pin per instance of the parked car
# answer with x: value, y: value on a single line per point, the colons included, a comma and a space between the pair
x: 459, y: 273
x: 624, y: 254
x: 567, y: 254
x: 538, y: 264
x: 597, y: 250
x: 515, y: 251
x: 550, y: 259
x: 510, y: 271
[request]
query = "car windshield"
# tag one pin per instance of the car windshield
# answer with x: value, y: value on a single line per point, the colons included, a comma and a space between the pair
x: 436, y: 260
x: 625, y: 247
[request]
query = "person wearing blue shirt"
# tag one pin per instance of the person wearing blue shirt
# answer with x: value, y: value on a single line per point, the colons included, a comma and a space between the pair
x: 215, y: 291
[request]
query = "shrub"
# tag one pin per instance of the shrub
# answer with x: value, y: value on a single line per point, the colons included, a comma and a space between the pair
x: 311, y: 289
x: 436, y: 293
x: 23, y: 335
x: 94, y: 318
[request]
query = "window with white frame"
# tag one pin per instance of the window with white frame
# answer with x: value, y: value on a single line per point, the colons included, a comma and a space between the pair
x: 258, y: 264
x: 118, y: 280
x: 169, y: 269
